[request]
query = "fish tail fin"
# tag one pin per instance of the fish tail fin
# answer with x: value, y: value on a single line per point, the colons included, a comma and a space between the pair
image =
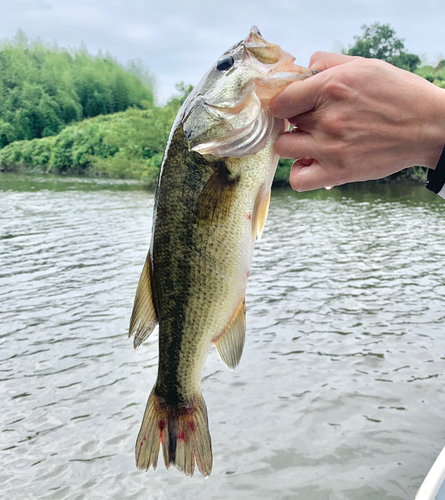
x: 183, y: 432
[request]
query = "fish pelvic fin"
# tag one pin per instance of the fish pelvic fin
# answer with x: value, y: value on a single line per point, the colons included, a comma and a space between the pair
x: 230, y: 342
x: 143, y: 318
x: 183, y: 431
x: 260, y: 211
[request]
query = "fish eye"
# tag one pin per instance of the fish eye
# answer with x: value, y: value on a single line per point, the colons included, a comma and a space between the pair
x: 225, y: 63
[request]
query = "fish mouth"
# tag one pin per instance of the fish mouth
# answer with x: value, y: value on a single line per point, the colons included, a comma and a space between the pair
x: 279, y: 78
x: 294, y: 75
x: 254, y: 35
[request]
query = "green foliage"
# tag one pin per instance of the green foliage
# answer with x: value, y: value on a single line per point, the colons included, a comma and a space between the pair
x: 43, y: 88
x: 128, y: 144
x: 379, y: 41
x: 183, y: 92
x: 31, y: 155
x: 434, y: 75
x: 283, y: 171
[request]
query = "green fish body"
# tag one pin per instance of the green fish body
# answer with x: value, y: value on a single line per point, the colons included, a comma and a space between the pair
x: 211, y: 205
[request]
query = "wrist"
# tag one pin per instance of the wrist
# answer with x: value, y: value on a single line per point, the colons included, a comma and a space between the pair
x: 435, y: 142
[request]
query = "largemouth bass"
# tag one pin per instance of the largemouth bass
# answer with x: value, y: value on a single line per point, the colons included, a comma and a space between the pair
x: 211, y: 204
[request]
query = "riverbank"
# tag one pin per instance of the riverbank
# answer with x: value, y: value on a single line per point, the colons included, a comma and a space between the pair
x: 26, y: 180
x: 124, y: 145
x: 146, y: 175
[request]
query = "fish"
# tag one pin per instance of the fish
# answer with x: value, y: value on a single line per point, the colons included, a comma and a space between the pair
x: 211, y: 203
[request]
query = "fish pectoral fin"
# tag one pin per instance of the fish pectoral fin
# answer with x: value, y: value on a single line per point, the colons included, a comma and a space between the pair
x: 143, y: 319
x: 260, y: 210
x: 216, y: 200
x: 230, y: 342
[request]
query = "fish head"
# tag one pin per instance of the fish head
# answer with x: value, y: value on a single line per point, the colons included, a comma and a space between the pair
x: 228, y: 112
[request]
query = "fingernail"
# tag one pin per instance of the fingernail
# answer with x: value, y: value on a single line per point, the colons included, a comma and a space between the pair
x: 317, y: 67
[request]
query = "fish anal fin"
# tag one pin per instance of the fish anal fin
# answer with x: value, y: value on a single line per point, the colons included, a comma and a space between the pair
x: 260, y: 210
x: 143, y: 319
x: 230, y: 342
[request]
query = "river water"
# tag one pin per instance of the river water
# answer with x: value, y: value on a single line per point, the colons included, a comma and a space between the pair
x: 340, y: 392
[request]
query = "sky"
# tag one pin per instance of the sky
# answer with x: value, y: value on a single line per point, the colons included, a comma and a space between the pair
x: 180, y: 40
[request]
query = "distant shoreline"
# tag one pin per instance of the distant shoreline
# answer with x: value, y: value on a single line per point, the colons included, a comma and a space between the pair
x: 414, y: 175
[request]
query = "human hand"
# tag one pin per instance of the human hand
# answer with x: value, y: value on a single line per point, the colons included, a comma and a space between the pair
x: 358, y: 119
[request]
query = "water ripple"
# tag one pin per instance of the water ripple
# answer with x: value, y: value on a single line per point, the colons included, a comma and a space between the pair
x: 340, y: 390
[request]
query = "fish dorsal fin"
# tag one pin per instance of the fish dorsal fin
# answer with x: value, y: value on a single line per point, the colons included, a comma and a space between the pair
x: 230, y: 342
x: 143, y: 319
x: 260, y: 210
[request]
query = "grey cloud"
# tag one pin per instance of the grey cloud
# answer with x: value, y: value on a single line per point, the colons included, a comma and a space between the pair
x: 20, y: 6
x: 179, y: 40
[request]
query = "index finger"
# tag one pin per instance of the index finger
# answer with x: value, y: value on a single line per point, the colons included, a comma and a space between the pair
x: 325, y: 60
x: 298, y: 97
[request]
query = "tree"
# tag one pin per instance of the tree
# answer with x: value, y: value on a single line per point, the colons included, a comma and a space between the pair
x: 183, y: 92
x: 434, y: 75
x: 44, y: 88
x: 379, y: 41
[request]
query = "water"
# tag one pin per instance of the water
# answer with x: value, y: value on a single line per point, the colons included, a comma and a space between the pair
x: 340, y: 392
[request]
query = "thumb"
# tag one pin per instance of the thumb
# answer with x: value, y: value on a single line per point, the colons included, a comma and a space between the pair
x: 325, y: 60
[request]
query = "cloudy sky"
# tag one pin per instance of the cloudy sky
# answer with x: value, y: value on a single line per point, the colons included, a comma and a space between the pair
x: 179, y: 41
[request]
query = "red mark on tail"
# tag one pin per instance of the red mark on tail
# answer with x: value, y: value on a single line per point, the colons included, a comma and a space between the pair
x: 248, y: 273
x: 182, y: 436
x: 192, y: 426
x: 249, y: 216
